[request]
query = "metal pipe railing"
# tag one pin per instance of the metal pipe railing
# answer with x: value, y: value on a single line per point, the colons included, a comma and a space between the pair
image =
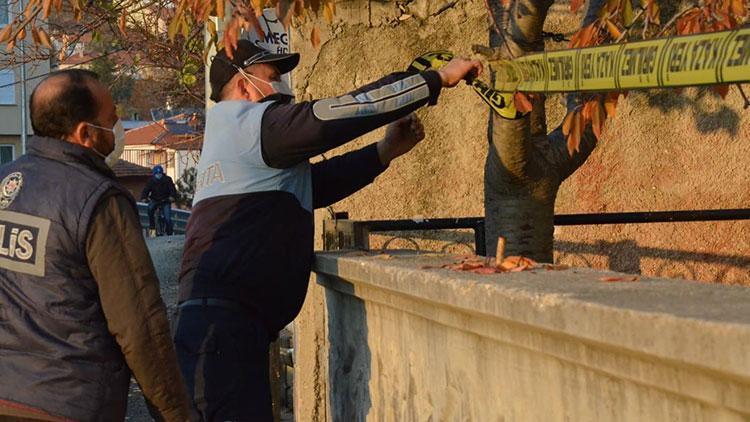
x: 477, y: 223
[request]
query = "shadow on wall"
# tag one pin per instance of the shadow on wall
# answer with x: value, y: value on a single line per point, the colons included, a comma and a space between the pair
x: 350, y: 360
x: 628, y: 257
x: 708, y: 118
x: 623, y: 256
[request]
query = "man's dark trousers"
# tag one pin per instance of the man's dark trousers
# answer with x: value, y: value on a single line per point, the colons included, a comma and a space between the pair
x: 166, y: 212
x: 223, y: 356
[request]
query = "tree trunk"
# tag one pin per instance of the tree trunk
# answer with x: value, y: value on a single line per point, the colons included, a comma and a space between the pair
x: 525, y: 166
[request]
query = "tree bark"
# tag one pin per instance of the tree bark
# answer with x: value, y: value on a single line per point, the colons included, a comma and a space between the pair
x: 525, y: 166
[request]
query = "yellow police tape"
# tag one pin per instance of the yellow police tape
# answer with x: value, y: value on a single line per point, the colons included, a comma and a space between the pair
x: 501, y: 103
x: 692, y: 60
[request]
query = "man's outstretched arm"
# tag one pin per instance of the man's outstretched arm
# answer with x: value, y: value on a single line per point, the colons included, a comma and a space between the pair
x: 292, y: 133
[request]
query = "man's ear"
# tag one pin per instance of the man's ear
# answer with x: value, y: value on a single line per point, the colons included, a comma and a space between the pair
x: 243, y: 88
x: 82, y: 135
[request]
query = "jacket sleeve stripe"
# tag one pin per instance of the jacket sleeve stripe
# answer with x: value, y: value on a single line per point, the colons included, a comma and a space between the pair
x: 382, y: 100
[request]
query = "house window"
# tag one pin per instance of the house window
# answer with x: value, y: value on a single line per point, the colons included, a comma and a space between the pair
x: 7, y: 86
x: 7, y: 153
x: 3, y: 12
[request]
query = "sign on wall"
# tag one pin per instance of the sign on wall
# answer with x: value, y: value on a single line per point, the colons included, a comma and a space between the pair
x: 275, y: 40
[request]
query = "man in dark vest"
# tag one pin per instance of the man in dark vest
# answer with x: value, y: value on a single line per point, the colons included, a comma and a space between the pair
x: 80, y: 308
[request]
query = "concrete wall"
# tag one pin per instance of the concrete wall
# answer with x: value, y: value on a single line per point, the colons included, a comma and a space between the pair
x: 412, y: 344
x: 661, y: 152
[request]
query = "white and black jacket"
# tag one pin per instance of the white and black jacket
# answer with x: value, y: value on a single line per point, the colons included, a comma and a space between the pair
x: 250, y: 236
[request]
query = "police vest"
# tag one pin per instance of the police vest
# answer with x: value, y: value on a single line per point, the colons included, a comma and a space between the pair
x: 56, y: 353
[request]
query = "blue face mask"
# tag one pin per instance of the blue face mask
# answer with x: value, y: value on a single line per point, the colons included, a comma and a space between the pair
x: 158, y: 176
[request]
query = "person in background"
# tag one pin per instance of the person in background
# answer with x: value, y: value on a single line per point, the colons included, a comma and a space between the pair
x: 80, y: 306
x: 159, y: 193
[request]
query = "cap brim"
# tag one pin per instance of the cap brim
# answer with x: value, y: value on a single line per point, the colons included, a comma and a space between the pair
x: 284, y: 62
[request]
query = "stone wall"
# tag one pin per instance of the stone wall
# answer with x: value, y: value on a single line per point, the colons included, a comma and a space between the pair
x: 414, y: 344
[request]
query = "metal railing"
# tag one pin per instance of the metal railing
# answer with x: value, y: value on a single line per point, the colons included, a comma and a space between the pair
x: 477, y: 223
x: 179, y: 218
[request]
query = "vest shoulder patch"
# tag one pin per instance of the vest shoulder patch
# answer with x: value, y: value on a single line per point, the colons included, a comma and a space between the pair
x: 9, y: 189
x: 23, y: 242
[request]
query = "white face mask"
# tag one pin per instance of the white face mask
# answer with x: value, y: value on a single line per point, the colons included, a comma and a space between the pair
x: 119, y: 132
x: 279, y: 87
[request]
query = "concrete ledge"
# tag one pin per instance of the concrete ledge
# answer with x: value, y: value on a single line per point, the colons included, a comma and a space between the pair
x: 407, y: 343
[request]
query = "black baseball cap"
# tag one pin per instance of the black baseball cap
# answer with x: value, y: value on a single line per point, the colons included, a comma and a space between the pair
x: 223, y: 68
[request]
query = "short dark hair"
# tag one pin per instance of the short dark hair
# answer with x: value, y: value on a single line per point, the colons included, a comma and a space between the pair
x: 56, y: 113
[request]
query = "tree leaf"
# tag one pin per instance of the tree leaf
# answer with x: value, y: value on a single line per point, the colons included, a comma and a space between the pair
x: 44, y: 38
x: 654, y: 12
x: 328, y: 11
x: 739, y: 8
x: 6, y: 33
x: 34, y: 35
x: 211, y: 28
x: 284, y: 12
x: 21, y: 35
x: 121, y: 23
x: 522, y: 102
x: 220, y: 10
x: 315, y: 37
x: 614, y: 31
x: 46, y: 6
x: 597, y: 119
x: 619, y: 279
x: 257, y: 6
x: 11, y: 46
x: 173, y: 27
x: 627, y: 14
x: 568, y: 122
x: 575, y: 133
x: 610, y: 105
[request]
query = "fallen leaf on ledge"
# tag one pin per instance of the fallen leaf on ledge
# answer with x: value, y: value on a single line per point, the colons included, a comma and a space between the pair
x: 619, y: 279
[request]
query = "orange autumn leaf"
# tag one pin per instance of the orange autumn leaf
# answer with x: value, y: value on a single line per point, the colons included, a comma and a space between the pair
x: 597, y: 119
x: 618, y: 279
x: 522, y: 102
x: 6, y: 33
x: 654, y: 12
x: 739, y: 8
x: 121, y: 23
x: 568, y: 123
x: 574, y: 137
x: 46, y: 6
x: 614, y: 31
x: 610, y: 105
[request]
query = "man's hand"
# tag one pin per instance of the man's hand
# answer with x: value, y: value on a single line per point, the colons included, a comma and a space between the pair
x: 400, y: 137
x: 458, y: 69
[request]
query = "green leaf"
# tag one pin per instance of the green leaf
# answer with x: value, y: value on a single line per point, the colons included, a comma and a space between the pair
x: 189, y: 80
